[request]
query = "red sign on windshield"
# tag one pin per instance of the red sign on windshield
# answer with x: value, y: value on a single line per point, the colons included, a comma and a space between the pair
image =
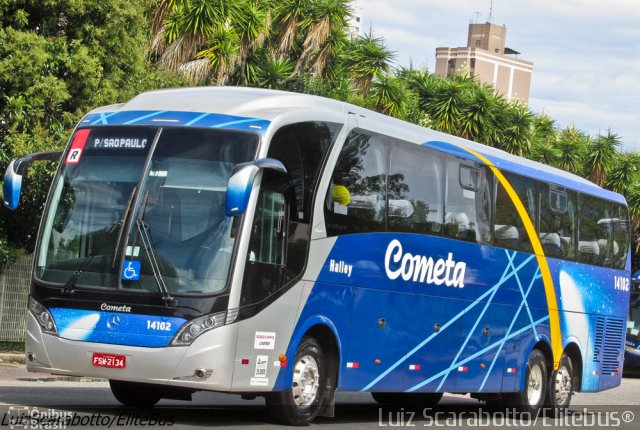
x: 75, y: 152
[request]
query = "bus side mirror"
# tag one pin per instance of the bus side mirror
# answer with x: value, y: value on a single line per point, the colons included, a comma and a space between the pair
x: 13, y: 176
x: 12, y: 187
x: 240, y: 183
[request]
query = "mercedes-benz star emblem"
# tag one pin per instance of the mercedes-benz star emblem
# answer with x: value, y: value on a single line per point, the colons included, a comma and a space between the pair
x: 113, y: 322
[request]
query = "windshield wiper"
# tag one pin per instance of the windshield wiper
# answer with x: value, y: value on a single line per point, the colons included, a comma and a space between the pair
x: 153, y: 261
x: 69, y: 286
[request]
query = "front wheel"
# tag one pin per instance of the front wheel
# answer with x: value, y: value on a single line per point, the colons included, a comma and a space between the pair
x: 136, y: 394
x: 532, y: 396
x: 302, y: 402
x: 561, y: 385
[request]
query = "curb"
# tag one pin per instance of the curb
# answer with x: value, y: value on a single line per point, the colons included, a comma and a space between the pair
x: 12, y: 358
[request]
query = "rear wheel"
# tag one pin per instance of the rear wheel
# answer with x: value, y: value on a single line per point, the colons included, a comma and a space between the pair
x: 136, y: 394
x: 408, y: 399
x: 561, y: 386
x: 532, y: 396
x: 302, y: 402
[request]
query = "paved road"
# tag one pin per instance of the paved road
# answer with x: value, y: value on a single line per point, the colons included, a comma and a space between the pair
x: 92, y: 400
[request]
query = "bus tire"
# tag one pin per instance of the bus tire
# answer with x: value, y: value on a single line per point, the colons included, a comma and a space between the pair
x: 561, y: 385
x: 136, y: 394
x: 531, y: 398
x: 423, y: 400
x: 301, y: 403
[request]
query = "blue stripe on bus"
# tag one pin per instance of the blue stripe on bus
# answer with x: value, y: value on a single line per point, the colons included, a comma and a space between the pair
x: 115, y: 327
x: 177, y: 118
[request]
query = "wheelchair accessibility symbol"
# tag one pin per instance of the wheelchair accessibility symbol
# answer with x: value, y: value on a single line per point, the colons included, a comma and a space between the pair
x: 131, y: 270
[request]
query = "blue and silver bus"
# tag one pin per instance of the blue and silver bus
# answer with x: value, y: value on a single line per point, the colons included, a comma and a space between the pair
x: 290, y: 246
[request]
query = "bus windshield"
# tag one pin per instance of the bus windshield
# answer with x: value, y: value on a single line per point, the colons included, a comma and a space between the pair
x: 174, y: 195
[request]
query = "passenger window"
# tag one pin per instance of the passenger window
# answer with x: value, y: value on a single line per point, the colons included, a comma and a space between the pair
x: 509, y: 229
x: 415, y: 190
x: 356, y: 198
x: 621, y: 238
x: 557, y: 220
x: 595, y: 242
x: 467, y: 201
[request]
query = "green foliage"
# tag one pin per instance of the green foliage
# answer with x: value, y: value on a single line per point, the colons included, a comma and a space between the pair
x: 58, y: 60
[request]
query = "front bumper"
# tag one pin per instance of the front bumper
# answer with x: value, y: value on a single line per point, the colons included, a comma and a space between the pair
x: 176, y: 366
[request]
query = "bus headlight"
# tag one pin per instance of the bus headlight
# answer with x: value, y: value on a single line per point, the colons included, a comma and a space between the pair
x: 43, y: 317
x: 196, y: 327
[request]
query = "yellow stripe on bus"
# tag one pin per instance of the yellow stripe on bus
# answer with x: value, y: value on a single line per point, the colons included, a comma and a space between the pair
x: 549, y: 289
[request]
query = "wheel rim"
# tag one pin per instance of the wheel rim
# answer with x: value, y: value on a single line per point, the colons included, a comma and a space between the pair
x: 306, y: 381
x: 534, y: 386
x: 563, y: 387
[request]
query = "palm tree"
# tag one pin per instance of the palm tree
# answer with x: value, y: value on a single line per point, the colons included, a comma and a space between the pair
x: 479, y: 113
x: 389, y: 95
x: 624, y: 172
x: 368, y: 57
x: 571, y: 146
x: 447, y: 106
x: 600, y: 154
x: 222, y: 53
x: 326, y: 16
x: 289, y: 14
x: 515, y: 136
x: 545, y: 152
x: 252, y: 23
x: 274, y: 73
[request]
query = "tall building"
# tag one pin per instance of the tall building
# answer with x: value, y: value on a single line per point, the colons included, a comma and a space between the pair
x: 487, y: 57
x: 355, y: 21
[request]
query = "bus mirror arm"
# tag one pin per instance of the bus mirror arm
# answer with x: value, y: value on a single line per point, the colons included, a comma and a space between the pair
x: 241, y: 183
x: 13, y: 176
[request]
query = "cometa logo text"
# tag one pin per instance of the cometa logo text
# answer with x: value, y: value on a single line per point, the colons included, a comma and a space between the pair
x: 420, y: 268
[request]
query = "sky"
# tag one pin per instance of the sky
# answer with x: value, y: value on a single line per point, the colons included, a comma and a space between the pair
x: 586, y: 53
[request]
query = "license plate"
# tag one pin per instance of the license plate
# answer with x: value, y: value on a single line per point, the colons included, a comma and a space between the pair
x: 111, y: 361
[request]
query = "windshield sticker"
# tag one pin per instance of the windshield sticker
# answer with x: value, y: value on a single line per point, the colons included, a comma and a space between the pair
x: 131, y: 270
x: 120, y: 142
x: 75, y: 152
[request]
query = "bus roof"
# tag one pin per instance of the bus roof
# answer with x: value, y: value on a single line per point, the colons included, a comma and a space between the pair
x: 272, y: 104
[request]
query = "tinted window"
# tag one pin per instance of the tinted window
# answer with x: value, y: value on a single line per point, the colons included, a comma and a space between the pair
x: 557, y: 220
x: 356, y: 197
x: 302, y: 148
x: 281, y: 225
x: 415, y: 190
x: 467, y: 201
x: 509, y: 230
x: 620, y: 236
x: 595, y: 244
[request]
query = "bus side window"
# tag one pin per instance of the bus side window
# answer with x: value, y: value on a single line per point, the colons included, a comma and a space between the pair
x: 557, y: 220
x: 620, y: 236
x: 509, y: 229
x: 356, y: 198
x: 595, y: 244
x: 415, y: 190
x: 467, y: 205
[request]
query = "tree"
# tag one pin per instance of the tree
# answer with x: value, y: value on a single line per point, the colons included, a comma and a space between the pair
x: 58, y: 60
x: 571, y: 146
x: 368, y: 57
x: 624, y: 172
x: 601, y: 152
